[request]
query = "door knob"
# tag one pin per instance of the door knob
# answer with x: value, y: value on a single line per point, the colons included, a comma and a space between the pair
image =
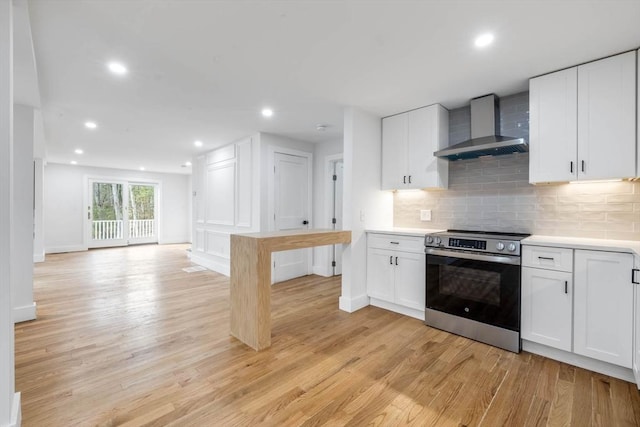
x: 305, y: 222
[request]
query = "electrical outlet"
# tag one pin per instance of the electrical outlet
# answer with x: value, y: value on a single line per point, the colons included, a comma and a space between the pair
x: 425, y: 215
x: 361, y: 216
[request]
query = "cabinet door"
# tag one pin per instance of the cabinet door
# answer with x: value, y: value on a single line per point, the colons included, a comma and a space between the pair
x: 410, y: 279
x: 636, y: 322
x: 394, y: 152
x: 428, y: 131
x: 607, y: 118
x: 553, y: 145
x: 380, y: 265
x: 603, y: 306
x: 547, y: 314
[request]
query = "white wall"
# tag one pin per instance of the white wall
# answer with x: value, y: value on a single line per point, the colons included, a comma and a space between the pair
x: 322, y: 198
x: 39, y: 154
x: 65, y: 213
x: 23, y: 201
x: 9, y: 400
x: 365, y: 205
x: 211, y: 241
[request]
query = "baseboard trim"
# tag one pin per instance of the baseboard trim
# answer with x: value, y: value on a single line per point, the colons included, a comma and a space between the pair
x: 63, y: 249
x: 16, y: 411
x: 579, y: 361
x: 322, y: 271
x: 24, y: 313
x: 173, y: 241
x: 353, y: 304
x: 38, y: 257
x: 411, y: 312
x: 219, y: 266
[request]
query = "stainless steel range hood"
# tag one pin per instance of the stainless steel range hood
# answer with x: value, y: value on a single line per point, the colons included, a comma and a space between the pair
x: 485, y: 141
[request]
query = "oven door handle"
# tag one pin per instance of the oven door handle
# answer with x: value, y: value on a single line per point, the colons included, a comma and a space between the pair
x: 500, y: 259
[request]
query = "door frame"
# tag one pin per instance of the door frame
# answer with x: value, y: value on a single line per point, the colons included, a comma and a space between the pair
x: 329, y: 201
x: 271, y: 153
x: 86, y: 230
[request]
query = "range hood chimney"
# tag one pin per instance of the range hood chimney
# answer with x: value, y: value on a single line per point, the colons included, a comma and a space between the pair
x: 485, y: 141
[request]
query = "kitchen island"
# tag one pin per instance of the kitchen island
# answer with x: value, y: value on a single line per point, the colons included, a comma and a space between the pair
x: 251, y: 277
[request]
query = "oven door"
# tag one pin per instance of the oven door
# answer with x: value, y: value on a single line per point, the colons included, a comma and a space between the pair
x: 481, y: 287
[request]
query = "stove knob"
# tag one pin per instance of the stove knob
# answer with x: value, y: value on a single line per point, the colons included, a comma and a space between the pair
x: 500, y: 246
x: 511, y: 247
x: 428, y: 239
x: 438, y: 240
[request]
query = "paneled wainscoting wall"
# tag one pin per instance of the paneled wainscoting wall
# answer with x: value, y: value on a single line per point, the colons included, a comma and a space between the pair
x: 494, y: 194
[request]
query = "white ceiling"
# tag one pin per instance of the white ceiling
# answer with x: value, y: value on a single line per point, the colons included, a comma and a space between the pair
x: 204, y: 69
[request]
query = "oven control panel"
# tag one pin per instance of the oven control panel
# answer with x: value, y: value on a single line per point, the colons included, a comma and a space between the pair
x: 468, y: 244
x: 478, y: 243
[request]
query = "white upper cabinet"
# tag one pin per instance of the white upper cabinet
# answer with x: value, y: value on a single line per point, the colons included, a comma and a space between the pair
x: 583, y: 122
x: 408, y: 142
x: 553, y: 115
x: 606, y: 118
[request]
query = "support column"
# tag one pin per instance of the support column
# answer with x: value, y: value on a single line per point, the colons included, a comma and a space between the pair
x: 9, y: 400
x: 24, y: 308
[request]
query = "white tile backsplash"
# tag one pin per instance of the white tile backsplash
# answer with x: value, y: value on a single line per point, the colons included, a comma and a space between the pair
x: 494, y: 194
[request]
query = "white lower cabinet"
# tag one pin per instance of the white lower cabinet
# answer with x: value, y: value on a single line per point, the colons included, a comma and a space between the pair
x: 396, y: 276
x: 635, y: 279
x: 603, y: 306
x: 584, y: 303
x: 547, y: 313
x: 380, y: 273
x: 409, y: 280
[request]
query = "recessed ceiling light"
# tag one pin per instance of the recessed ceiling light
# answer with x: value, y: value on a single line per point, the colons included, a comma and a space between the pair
x: 484, y: 40
x: 90, y: 125
x: 267, y: 112
x: 73, y: 162
x: 188, y: 163
x: 141, y: 168
x: 117, y: 68
x: 197, y: 143
x: 78, y: 151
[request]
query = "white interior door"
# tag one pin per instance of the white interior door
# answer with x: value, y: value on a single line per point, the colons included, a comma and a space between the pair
x: 291, y: 212
x: 338, y: 175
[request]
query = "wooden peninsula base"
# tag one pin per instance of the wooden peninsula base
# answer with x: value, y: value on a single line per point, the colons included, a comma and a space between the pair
x: 251, y: 277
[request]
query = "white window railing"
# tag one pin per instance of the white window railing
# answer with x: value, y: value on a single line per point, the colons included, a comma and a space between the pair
x: 141, y: 228
x: 113, y: 229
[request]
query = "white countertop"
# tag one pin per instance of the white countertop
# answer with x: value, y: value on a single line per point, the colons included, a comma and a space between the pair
x: 628, y: 246
x: 403, y: 231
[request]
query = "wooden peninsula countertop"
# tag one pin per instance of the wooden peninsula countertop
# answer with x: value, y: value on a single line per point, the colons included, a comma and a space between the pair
x: 251, y: 277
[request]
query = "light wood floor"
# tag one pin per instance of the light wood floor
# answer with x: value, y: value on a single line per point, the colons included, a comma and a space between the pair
x: 125, y: 337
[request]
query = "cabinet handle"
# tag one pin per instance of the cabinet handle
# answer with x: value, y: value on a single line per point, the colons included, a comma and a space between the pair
x: 583, y: 166
x: 409, y: 179
x: 395, y: 243
x: 571, y: 167
x: 633, y: 276
x: 404, y: 179
x: 391, y: 260
x: 566, y: 286
x: 396, y: 260
x: 546, y: 257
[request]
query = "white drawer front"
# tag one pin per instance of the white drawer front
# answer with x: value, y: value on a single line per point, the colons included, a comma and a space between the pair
x: 558, y: 259
x: 391, y: 241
